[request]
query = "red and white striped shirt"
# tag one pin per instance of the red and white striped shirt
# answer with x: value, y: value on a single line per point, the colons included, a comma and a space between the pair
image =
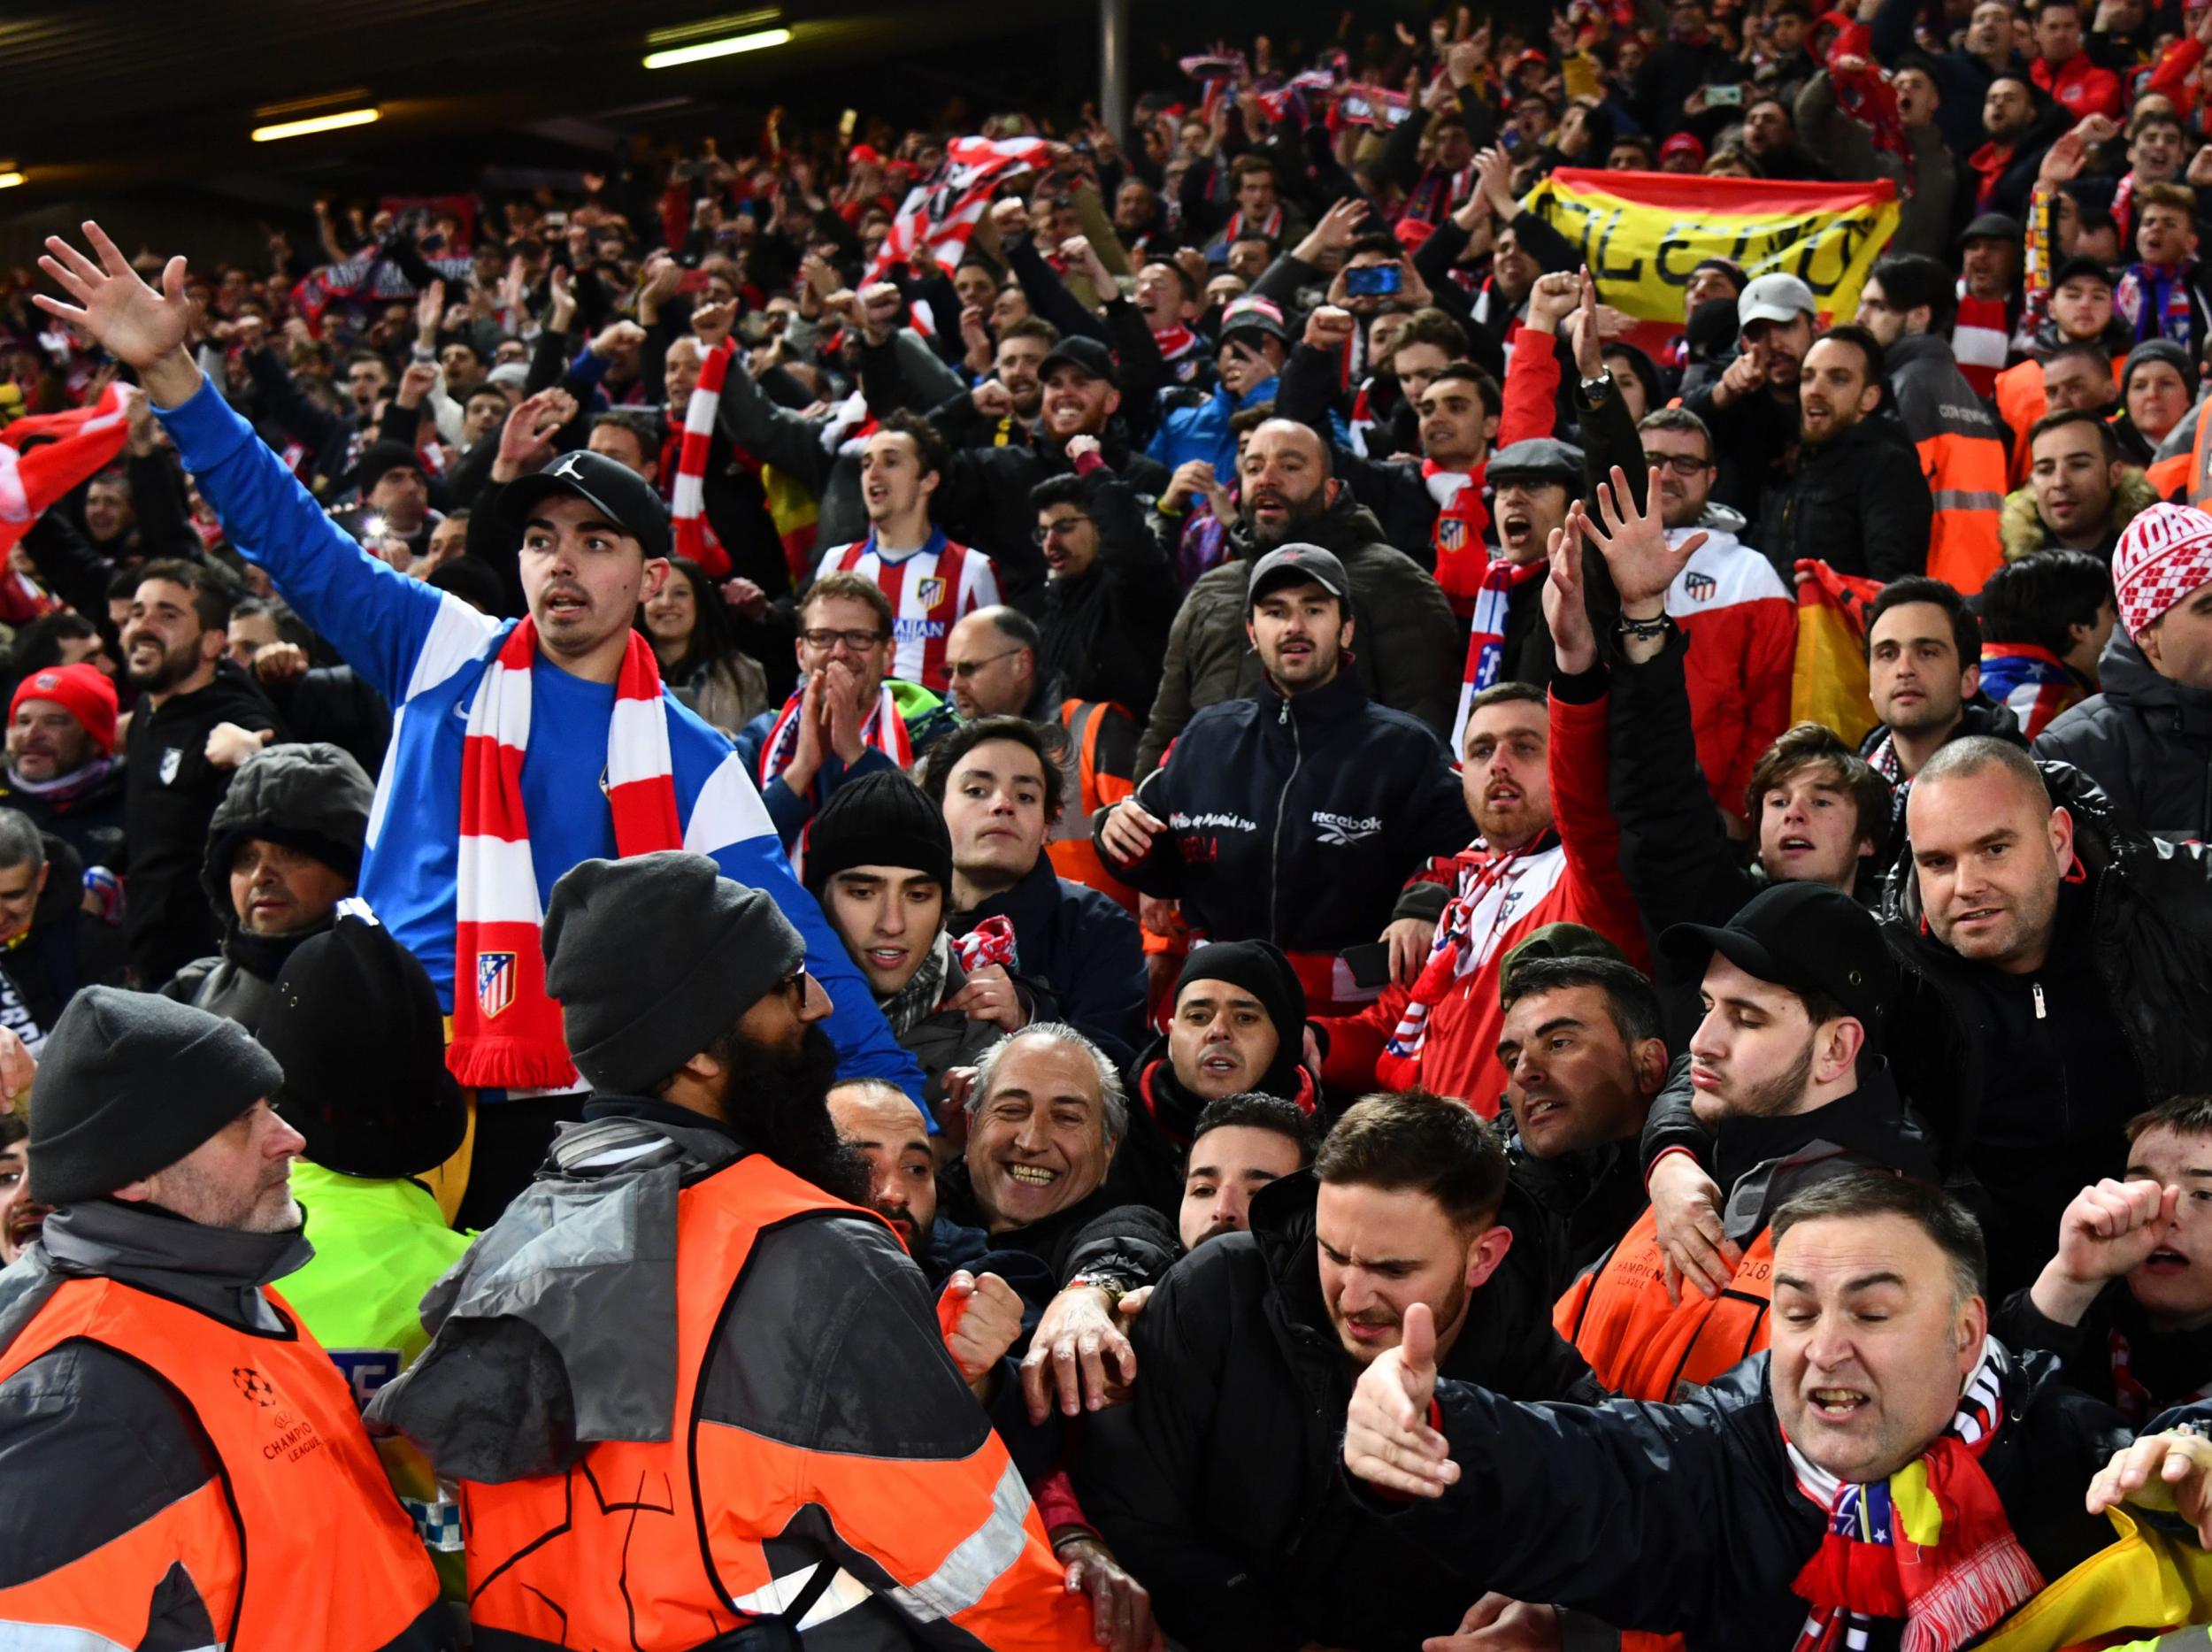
x: 930, y: 591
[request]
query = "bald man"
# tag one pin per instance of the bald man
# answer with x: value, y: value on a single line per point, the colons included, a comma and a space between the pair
x: 1411, y: 647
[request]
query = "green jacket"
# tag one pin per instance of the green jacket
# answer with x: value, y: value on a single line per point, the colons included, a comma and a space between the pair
x: 379, y: 1244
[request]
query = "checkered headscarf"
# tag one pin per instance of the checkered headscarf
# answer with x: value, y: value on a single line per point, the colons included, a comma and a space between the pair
x: 2163, y: 554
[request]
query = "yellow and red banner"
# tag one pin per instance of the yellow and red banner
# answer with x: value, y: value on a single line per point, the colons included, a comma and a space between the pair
x: 1642, y: 233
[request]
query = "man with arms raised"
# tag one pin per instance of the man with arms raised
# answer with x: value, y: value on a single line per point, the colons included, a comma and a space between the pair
x: 475, y: 820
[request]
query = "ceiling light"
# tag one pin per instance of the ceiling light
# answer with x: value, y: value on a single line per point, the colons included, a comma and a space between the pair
x: 760, y: 40
x: 9, y: 178
x: 316, y: 123
x: 714, y: 27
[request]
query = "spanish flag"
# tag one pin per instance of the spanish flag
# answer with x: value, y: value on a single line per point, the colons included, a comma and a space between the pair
x: 1642, y: 233
x: 1829, y: 683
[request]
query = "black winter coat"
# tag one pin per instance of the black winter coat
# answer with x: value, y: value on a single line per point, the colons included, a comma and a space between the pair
x: 172, y: 790
x: 1079, y: 946
x: 1858, y: 503
x: 2146, y: 741
x: 1105, y: 631
x: 1217, y: 1484
x: 66, y: 947
x: 1687, y: 1519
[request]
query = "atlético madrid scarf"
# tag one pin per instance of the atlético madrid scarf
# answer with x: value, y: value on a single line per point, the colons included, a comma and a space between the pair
x: 1929, y: 1547
x: 688, y: 505
x: 506, y: 1031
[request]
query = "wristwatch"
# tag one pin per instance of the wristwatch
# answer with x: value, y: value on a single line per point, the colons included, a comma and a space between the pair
x: 1596, y: 390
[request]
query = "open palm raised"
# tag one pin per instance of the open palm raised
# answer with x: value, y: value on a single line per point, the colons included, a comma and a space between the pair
x: 138, y: 325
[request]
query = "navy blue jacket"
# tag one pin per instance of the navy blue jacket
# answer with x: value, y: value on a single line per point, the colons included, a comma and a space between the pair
x: 1297, y: 820
x: 1082, y: 947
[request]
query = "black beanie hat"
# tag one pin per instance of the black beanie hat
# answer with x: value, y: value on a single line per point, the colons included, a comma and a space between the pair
x: 880, y: 819
x: 655, y: 958
x: 1261, y: 969
x: 129, y: 1083
x: 354, y: 1022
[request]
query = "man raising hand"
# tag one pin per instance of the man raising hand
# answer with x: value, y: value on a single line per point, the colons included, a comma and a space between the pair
x: 551, y: 738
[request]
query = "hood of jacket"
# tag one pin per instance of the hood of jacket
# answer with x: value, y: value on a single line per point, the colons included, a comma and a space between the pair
x: 2021, y: 532
x: 2125, y: 678
x: 557, y: 1330
x: 312, y: 796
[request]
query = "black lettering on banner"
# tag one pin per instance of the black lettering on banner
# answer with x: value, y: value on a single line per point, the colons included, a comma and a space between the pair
x: 1602, y: 268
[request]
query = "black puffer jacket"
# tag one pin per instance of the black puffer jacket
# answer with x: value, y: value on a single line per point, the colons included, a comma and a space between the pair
x: 1217, y: 1484
x: 1687, y: 1518
x: 2146, y: 741
x: 313, y: 798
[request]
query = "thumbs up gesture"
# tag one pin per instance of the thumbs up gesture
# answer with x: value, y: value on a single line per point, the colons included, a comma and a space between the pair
x: 1387, y: 1441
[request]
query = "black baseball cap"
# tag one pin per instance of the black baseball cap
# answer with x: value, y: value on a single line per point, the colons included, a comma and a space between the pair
x: 1086, y: 355
x: 2081, y: 263
x: 627, y: 499
x: 1806, y: 937
x: 1294, y: 564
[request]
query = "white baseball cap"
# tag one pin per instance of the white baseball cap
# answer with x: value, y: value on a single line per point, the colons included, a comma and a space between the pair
x: 1774, y: 298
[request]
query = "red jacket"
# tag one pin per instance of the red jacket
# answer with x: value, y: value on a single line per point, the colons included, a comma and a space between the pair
x: 1741, y: 621
x: 2080, y: 85
x: 1571, y: 875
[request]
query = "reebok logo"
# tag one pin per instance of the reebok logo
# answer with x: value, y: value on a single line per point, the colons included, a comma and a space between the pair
x: 1345, y: 830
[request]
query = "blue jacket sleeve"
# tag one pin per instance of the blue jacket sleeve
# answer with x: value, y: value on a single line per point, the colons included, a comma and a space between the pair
x: 376, y: 617
x: 865, y: 1047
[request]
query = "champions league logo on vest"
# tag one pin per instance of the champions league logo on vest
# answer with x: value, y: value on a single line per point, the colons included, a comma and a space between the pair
x: 494, y: 982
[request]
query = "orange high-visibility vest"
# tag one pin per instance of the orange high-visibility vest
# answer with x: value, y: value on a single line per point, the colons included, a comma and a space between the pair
x: 1085, y: 791
x: 1643, y: 1347
x: 1966, y: 481
x: 661, y: 1545
x: 324, y: 1557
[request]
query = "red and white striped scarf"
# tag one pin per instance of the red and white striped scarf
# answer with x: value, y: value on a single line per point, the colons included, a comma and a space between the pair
x: 885, y: 730
x: 990, y: 941
x: 942, y: 213
x: 506, y: 1030
x: 1981, y: 340
x: 687, y: 508
x: 1485, y: 643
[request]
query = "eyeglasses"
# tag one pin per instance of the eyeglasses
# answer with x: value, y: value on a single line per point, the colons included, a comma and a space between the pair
x: 794, y: 985
x: 858, y: 641
x: 1680, y: 463
x: 1054, y: 528
x: 962, y: 670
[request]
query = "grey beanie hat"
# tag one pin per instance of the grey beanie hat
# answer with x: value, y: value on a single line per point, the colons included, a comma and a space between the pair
x: 129, y: 1083
x: 715, y: 947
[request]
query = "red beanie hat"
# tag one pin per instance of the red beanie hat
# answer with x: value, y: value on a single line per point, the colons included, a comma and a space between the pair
x: 83, y: 691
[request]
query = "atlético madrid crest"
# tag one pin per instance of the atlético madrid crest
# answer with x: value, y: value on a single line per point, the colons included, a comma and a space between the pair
x: 929, y: 592
x: 494, y: 982
x: 1451, y: 533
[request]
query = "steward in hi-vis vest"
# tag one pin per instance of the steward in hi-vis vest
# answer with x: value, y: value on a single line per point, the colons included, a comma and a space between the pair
x: 692, y: 1399
x: 181, y: 1465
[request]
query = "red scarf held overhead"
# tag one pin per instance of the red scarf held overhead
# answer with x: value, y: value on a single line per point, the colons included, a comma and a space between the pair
x: 687, y: 506
x: 506, y: 1030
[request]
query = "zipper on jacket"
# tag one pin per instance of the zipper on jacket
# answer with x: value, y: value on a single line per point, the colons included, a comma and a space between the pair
x: 1275, y: 843
x: 2038, y: 989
